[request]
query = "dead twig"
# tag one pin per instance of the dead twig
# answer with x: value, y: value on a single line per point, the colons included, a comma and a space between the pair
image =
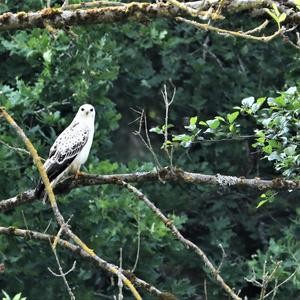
x: 61, y: 273
x: 143, y: 122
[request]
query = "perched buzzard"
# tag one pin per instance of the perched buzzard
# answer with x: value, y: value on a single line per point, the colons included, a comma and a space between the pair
x: 71, y: 149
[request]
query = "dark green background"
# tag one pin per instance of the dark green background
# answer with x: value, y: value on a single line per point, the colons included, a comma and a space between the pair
x: 116, y: 67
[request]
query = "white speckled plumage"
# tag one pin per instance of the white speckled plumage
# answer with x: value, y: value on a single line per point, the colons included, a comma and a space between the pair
x: 71, y: 148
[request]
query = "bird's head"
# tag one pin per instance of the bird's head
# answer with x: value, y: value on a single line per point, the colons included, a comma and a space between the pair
x: 86, y: 112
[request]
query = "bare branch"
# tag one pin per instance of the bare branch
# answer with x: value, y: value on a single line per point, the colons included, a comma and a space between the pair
x: 29, y: 234
x: 61, y: 273
x: 225, y: 32
x: 187, y: 243
x: 143, y: 121
x: 21, y: 150
x: 97, y: 12
x: 165, y: 175
x: 138, y: 243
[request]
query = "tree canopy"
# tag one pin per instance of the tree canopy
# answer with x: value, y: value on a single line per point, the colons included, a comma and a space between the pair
x: 193, y: 177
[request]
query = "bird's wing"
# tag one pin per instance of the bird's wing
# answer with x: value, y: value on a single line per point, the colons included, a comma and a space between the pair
x: 65, y: 149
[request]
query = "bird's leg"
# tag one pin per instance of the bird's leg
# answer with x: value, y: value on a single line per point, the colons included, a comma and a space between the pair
x: 78, y: 174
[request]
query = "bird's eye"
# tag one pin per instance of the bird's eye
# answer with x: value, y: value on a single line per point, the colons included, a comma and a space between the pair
x: 91, y: 109
x: 82, y: 109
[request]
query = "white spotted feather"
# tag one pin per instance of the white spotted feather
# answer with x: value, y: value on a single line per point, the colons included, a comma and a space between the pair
x: 71, y: 148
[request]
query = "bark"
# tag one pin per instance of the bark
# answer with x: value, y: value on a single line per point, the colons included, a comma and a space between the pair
x: 165, y: 175
x: 135, y: 11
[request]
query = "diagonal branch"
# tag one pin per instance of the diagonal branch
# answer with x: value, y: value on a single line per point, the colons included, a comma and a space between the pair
x: 187, y: 243
x: 103, y: 264
x: 165, y: 174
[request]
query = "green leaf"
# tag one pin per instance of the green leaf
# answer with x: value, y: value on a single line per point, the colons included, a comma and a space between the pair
x: 280, y: 101
x: 261, y: 100
x: 6, y: 296
x: 17, y: 297
x: 232, y: 117
x: 268, y: 196
x: 291, y: 91
x: 168, y: 126
x: 275, y: 18
x: 157, y: 130
x: 267, y: 149
x: 275, y: 8
x: 47, y: 56
x: 231, y: 127
x: 261, y: 139
x: 220, y: 118
x: 262, y: 202
x: 297, y: 2
x: 193, y: 120
x: 213, y: 124
x: 202, y: 123
x: 282, y: 17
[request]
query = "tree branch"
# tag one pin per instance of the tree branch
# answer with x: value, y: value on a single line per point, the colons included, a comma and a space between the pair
x: 165, y: 174
x: 100, y: 12
x: 35, y: 235
x: 187, y: 243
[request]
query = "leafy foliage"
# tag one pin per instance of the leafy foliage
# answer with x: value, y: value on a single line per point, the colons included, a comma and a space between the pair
x: 115, y: 67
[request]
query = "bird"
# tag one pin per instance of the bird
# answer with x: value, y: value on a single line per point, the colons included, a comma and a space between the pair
x: 71, y: 148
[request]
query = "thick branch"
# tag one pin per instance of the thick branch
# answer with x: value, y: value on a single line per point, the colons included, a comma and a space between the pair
x: 59, y: 18
x: 165, y: 174
x: 29, y: 234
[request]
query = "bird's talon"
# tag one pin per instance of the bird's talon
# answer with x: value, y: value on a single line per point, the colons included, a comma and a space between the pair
x: 78, y: 174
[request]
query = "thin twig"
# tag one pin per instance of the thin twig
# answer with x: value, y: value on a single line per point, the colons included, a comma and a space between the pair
x: 15, y: 148
x: 83, y: 5
x: 258, y: 28
x: 49, y: 224
x: 143, y: 120
x: 205, y: 290
x: 138, y: 243
x: 204, y: 15
x: 25, y: 221
x: 61, y: 273
x: 168, y: 103
x: 282, y: 283
x: 61, y: 229
x: 65, y: 273
x: 264, y: 283
x: 223, y: 257
x: 120, y: 282
x: 226, y: 32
